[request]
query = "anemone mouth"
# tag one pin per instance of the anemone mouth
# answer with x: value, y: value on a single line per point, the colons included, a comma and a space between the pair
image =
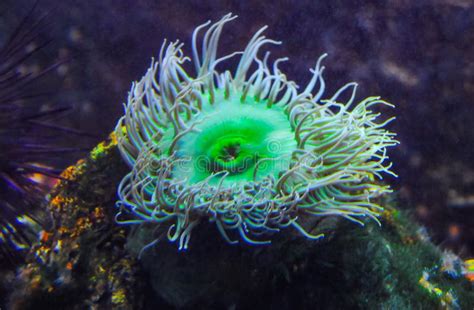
x: 247, y: 150
x: 242, y: 141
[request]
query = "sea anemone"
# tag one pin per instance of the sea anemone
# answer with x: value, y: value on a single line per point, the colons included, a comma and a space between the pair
x: 247, y: 150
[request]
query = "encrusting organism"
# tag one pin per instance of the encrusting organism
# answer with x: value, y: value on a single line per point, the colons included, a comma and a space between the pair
x: 248, y: 150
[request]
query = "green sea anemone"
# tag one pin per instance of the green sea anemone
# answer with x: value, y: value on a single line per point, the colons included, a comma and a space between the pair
x: 247, y: 150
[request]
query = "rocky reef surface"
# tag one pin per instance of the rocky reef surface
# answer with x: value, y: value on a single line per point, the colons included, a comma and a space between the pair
x: 87, y: 260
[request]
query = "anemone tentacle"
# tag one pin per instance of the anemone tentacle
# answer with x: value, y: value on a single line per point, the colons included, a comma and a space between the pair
x: 245, y: 150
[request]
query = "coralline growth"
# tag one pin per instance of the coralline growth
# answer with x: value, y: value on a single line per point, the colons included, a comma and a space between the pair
x: 248, y: 150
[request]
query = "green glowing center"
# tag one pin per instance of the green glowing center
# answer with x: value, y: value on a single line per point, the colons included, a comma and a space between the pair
x: 231, y: 154
x: 234, y: 146
x: 247, y: 141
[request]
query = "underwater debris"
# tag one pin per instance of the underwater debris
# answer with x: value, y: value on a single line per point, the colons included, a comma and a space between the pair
x: 247, y: 150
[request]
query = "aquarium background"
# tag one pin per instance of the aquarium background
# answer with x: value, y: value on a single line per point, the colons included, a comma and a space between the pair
x: 418, y: 55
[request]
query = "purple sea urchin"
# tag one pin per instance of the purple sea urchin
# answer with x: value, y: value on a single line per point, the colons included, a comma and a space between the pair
x: 247, y: 150
x: 20, y: 156
x: 30, y: 156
